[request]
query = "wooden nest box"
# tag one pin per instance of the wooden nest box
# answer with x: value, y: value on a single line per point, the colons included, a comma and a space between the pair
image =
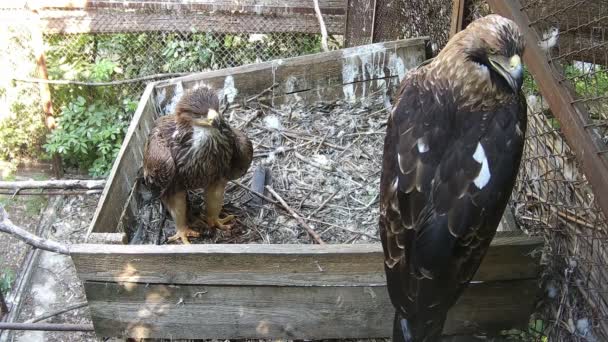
x: 231, y: 291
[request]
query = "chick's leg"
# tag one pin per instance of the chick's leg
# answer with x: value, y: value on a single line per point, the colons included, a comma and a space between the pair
x: 176, y: 204
x: 215, y: 202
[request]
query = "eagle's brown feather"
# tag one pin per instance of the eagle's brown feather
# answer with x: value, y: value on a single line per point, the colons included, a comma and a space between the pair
x: 182, y: 155
x: 452, y: 151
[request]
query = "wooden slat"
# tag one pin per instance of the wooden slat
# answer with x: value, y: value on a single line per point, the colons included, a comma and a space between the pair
x: 311, y: 312
x: 457, y: 16
x: 123, y: 172
x: 104, y: 21
x: 254, y: 6
x: 307, y: 78
x: 281, y: 265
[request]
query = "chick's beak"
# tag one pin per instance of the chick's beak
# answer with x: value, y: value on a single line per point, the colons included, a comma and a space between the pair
x: 510, y: 69
x: 212, y: 118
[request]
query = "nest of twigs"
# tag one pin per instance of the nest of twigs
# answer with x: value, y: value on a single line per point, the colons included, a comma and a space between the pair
x: 316, y: 170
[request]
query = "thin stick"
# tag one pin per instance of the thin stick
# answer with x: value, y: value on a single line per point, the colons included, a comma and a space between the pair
x: 242, y: 186
x: 46, y: 326
x: 323, y: 204
x: 54, y: 184
x: 295, y: 215
x: 576, y: 220
x: 97, y: 84
x: 48, y: 245
x: 321, y: 143
x: 322, y: 25
x: 57, y: 313
x: 342, y: 228
x: 310, y: 162
x: 262, y: 93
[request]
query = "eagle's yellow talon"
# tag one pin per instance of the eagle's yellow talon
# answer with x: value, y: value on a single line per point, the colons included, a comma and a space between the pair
x: 183, y: 235
x: 220, y: 223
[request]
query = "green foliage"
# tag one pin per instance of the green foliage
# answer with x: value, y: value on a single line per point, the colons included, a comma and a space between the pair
x: 89, y: 134
x: 7, y: 277
x: 529, y: 86
x: 92, y: 120
x: 535, y: 332
x: 588, y: 80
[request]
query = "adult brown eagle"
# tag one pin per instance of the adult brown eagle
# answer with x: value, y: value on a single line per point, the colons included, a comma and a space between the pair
x: 195, y: 149
x: 451, y: 154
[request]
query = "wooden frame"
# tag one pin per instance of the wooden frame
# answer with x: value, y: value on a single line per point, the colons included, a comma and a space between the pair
x: 274, y: 291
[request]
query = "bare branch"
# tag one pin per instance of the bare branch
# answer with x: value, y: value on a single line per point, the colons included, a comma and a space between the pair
x: 322, y: 25
x: 55, y: 184
x: 57, y: 313
x: 295, y: 215
x: 48, y: 245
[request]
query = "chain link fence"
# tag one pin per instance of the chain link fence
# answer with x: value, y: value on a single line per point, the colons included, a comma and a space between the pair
x: 20, y: 110
x: 553, y: 197
x: 99, y: 57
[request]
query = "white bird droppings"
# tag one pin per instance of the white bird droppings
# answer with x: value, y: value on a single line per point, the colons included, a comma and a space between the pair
x: 230, y: 90
x: 272, y: 122
x: 483, y: 177
x: 422, y: 145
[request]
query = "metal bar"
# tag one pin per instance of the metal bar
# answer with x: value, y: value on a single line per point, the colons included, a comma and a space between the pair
x: 572, y: 116
x: 46, y: 326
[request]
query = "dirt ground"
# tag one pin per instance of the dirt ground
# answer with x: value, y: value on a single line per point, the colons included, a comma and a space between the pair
x: 54, y: 284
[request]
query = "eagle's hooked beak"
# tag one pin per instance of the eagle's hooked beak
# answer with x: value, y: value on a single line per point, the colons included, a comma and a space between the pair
x: 212, y: 116
x: 510, y: 69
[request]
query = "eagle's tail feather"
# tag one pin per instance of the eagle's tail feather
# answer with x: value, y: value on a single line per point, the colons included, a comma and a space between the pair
x: 405, y: 330
x: 401, y: 329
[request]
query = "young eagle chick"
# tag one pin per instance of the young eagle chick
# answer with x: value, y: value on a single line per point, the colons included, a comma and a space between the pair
x: 451, y: 154
x: 195, y: 149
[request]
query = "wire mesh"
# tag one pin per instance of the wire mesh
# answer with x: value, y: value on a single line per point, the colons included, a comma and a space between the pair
x: 552, y: 196
x: 20, y: 110
x: 126, y: 45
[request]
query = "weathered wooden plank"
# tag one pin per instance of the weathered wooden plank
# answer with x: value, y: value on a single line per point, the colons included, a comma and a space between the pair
x: 308, y: 312
x: 342, y: 74
x: 123, y: 172
x: 104, y: 21
x: 508, y: 258
x: 236, y: 84
x: 253, y: 6
x: 107, y: 238
x: 324, y: 75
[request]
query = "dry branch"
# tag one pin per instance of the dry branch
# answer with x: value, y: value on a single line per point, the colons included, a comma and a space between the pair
x: 48, y: 245
x: 295, y: 215
x: 243, y: 186
x: 322, y: 26
x: 57, y: 313
x: 54, y: 184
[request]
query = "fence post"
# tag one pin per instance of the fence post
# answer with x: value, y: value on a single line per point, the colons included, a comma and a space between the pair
x: 45, y: 89
x: 457, y: 16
